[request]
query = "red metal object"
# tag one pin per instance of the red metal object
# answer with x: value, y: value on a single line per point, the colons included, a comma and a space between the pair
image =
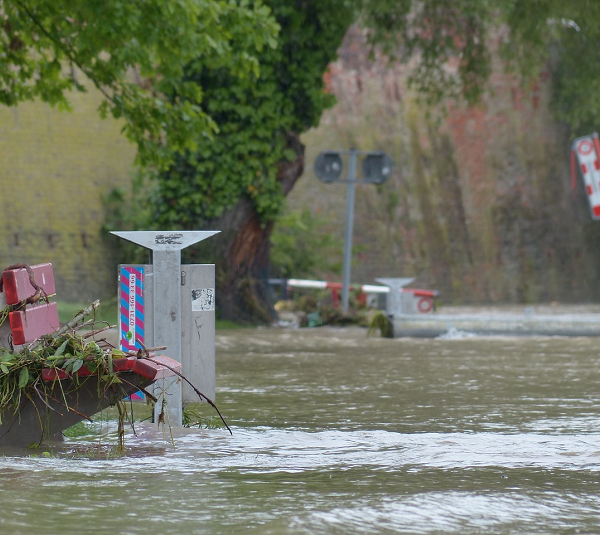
x: 422, y: 293
x: 51, y: 374
x: 17, y: 287
x: 154, y: 370
x: 597, y: 147
x: 33, y: 322
x: 123, y: 365
x: 573, y: 169
x: 424, y: 300
x: 425, y: 305
x: 167, y: 366
x: 587, y: 151
x: 84, y: 371
x: 336, y: 287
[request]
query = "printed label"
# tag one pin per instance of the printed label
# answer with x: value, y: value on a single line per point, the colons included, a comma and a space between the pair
x: 203, y: 300
x: 168, y: 239
x: 131, y: 324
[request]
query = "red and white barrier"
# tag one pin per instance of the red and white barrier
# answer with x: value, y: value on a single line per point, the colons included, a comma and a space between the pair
x: 413, y: 301
x: 587, y: 151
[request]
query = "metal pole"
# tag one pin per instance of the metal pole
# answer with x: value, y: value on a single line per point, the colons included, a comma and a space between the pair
x: 167, y: 324
x: 349, y: 231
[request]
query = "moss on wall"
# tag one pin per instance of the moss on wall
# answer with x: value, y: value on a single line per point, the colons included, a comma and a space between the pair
x: 479, y: 205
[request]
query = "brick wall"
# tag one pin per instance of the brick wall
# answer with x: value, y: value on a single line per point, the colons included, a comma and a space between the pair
x: 55, y: 168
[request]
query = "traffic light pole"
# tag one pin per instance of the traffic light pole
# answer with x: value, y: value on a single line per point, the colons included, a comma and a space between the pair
x: 376, y: 168
x: 349, y: 231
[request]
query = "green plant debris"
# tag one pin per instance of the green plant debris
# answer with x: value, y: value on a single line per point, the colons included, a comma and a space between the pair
x: 62, y: 353
x: 21, y: 374
x: 316, y: 308
x: 83, y: 429
x: 380, y: 322
x: 65, y: 354
x: 192, y: 417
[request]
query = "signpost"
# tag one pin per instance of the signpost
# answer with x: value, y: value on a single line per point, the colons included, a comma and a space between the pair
x: 376, y: 169
x: 151, y: 310
x: 587, y: 151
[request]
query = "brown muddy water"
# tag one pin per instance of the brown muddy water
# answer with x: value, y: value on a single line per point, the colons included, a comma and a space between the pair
x: 337, y: 433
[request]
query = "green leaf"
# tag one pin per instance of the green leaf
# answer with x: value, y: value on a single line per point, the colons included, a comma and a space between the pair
x: 68, y: 365
x: 23, y: 377
x: 7, y: 357
x: 61, y: 348
x: 77, y: 365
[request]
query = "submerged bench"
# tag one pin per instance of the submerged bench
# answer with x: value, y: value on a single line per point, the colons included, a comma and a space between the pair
x: 70, y: 395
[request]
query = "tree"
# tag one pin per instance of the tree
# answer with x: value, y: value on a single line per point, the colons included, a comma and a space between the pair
x: 136, y: 54
x: 237, y: 182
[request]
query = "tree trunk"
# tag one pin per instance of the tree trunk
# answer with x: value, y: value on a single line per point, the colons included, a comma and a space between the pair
x: 241, y: 252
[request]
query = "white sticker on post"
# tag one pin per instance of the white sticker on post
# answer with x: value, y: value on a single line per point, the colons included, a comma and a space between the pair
x: 203, y: 300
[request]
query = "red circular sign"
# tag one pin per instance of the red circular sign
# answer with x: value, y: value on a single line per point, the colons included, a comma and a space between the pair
x: 585, y: 147
x: 425, y: 304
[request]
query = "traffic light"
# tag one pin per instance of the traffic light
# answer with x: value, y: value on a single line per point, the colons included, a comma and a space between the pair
x: 328, y: 166
x: 377, y: 167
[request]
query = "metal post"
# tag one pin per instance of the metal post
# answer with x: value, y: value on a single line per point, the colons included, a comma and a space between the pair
x: 349, y: 231
x: 393, y: 302
x: 166, y: 258
x: 167, y: 326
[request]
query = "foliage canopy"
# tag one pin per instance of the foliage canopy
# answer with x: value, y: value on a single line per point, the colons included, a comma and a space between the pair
x: 254, y: 116
x: 292, y: 255
x: 177, y: 72
x: 136, y: 54
x: 454, y: 44
x: 211, y: 92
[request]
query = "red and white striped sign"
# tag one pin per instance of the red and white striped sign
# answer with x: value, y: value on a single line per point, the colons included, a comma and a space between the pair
x: 587, y: 151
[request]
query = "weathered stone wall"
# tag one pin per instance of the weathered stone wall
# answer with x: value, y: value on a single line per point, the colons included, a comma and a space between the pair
x: 479, y: 206
x: 56, y: 166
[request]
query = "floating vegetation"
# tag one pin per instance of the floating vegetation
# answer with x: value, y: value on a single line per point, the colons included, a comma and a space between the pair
x: 35, y: 372
x: 83, y: 429
x: 35, y: 375
x: 49, y: 382
x: 380, y: 322
x: 193, y: 418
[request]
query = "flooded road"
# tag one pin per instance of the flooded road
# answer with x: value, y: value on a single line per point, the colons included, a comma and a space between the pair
x: 337, y: 433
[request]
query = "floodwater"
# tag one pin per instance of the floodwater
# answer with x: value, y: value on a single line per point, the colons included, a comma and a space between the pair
x: 337, y: 433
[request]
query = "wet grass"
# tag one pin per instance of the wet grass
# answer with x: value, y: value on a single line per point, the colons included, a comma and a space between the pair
x: 106, y: 312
